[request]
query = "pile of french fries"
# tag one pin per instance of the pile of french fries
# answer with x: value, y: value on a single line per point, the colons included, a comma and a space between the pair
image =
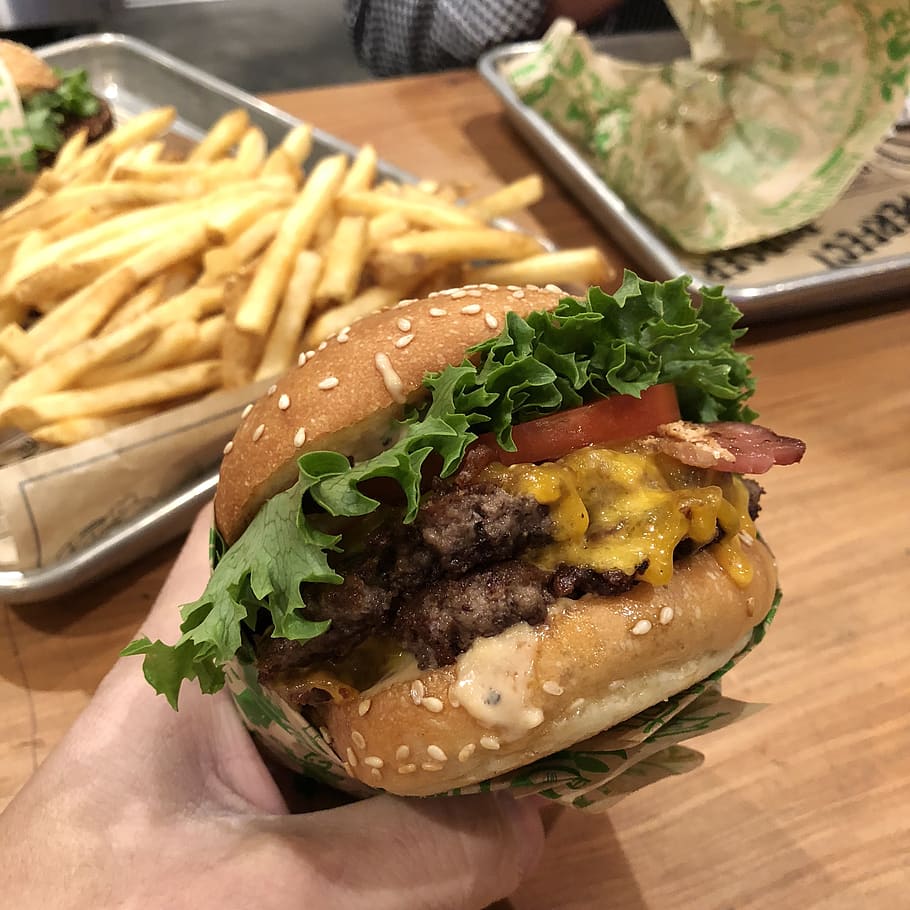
x: 134, y: 281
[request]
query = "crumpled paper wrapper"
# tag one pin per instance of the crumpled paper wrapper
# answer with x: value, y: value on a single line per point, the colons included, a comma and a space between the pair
x: 17, y: 156
x: 757, y: 133
x: 592, y: 775
x: 56, y: 503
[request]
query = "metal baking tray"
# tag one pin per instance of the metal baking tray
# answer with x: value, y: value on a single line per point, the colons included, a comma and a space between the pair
x: 134, y: 77
x: 804, y: 290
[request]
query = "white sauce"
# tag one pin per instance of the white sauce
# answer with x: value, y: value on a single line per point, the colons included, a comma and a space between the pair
x: 493, y: 680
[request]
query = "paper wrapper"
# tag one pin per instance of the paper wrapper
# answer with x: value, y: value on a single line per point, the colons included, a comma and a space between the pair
x: 756, y: 134
x: 17, y: 154
x: 54, y: 504
x: 592, y: 775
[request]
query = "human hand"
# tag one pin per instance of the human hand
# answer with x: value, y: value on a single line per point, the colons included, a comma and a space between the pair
x: 143, y: 806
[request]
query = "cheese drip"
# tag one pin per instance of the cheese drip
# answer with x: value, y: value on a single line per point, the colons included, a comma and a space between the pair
x: 618, y: 508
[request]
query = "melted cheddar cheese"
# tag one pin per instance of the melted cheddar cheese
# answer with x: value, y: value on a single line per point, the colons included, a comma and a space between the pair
x: 620, y: 508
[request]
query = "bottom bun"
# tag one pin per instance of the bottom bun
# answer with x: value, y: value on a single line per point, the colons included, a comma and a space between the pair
x: 529, y: 692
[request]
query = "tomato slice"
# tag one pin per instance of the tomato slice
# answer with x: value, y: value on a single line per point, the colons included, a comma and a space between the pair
x: 614, y: 419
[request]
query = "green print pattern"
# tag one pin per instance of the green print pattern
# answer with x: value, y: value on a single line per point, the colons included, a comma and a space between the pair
x: 756, y: 134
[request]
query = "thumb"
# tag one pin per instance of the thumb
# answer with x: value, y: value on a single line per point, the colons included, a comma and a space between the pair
x: 443, y: 852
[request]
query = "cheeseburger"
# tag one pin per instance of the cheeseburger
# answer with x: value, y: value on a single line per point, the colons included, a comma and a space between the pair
x: 475, y: 529
x: 55, y: 104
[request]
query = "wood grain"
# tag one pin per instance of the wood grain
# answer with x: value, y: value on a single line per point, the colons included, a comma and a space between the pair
x: 807, y: 804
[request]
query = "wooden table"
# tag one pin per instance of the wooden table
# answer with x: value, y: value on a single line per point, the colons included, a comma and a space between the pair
x: 806, y: 804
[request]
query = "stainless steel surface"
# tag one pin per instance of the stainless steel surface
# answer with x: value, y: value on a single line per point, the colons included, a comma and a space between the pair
x: 37, y: 13
x: 135, y: 77
x: 823, y: 289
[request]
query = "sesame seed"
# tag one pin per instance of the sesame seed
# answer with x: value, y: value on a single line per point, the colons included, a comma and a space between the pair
x: 328, y: 383
x: 407, y: 302
x: 343, y: 339
x: 407, y: 769
x: 745, y: 537
x: 434, y: 294
x: 436, y: 753
x: 284, y: 402
x: 300, y: 437
x: 301, y: 358
x: 532, y: 287
x: 552, y: 688
x: 553, y: 287
x: 417, y: 691
x: 490, y: 287
x: 375, y: 773
x: 404, y: 325
x: 358, y: 740
x: 310, y: 355
x: 404, y: 341
x: 642, y: 627
x: 322, y: 345
x: 475, y: 293
x: 352, y: 758
x: 246, y: 411
x: 363, y: 707
x: 347, y: 769
x: 513, y: 287
x: 257, y: 433
x: 666, y: 615
x: 391, y: 379
x: 273, y: 389
x: 457, y: 294
x: 402, y: 753
x: 438, y: 311
x: 518, y: 294
x: 468, y: 287
x: 373, y: 761
x: 346, y: 330
x: 227, y: 449
x: 324, y: 732
x: 466, y: 752
x: 576, y: 704
x: 434, y: 705
x: 491, y: 321
x: 534, y: 718
x: 431, y: 766
x: 453, y: 698
x: 489, y: 742
x: 472, y: 309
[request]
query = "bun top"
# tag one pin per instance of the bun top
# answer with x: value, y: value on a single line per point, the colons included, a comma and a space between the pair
x: 30, y: 73
x: 346, y: 395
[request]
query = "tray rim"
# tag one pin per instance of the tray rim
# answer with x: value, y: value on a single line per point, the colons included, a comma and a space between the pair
x: 643, y: 241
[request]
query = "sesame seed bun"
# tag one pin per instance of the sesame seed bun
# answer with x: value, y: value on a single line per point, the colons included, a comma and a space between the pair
x: 586, y: 672
x: 349, y: 393
x: 29, y: 73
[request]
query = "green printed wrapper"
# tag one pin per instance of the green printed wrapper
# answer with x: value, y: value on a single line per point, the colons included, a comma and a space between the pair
x: 592, y: 775
x: 759, y: 132
x: 18, y: 162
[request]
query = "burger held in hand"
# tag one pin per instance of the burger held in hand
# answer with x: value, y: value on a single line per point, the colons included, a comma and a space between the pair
x: 475, y: 529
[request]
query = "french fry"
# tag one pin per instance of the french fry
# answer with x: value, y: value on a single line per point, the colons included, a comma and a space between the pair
x: 258, y: 306
x: 28, y: 246
x: 178, y: 278
x: 281, y: 164
x: 148, y: 154
x: 585, y: 266
x: 425, y: 214
x: 296, y: 304
x: 209, y: 337
x: 384, y: 227
x: 221, y: 136
x: 332, y: 321
x: 241, y: 351
x: 138, y: 305
x: 394, y: 269
x: 345, y: 256
x: 166, y: 385
x: 16, y: 346
x: 69, y: 152
x: 78, y: 429
x: 251, y: 151
x: 174, y: 345
x: 518, y: 195
x: 144, y: 126
x: 362, y: 172
x: 59, y: 371
x: 463, y: 246
x: 298, y: 143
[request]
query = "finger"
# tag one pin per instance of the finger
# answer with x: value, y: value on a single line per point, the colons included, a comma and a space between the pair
x: 464, y: 851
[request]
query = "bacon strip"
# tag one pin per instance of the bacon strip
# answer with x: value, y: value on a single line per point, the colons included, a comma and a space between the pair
x: 741, y: 448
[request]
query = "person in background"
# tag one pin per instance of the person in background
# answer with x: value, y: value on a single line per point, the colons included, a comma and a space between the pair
x: 397, y: 37
x: 142, y: 806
